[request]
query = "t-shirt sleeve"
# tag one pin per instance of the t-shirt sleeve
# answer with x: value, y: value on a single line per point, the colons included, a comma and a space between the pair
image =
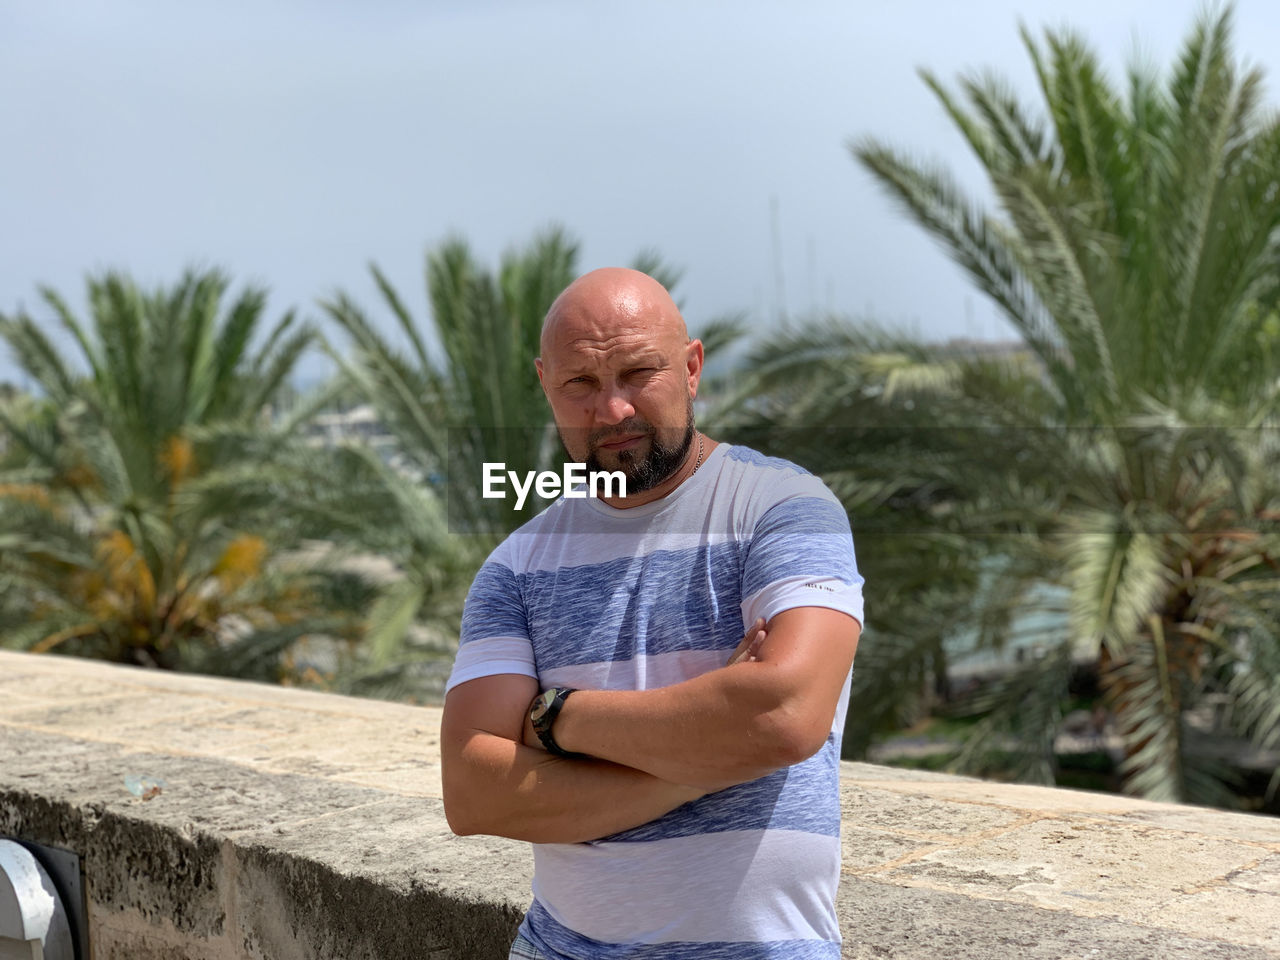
x: 801, y: 555
x: 495, y: 629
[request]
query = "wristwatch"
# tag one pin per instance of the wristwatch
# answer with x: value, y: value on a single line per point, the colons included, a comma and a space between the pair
x: 543, y: 712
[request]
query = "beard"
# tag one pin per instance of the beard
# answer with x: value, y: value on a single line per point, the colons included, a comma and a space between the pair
x: 644, y: 470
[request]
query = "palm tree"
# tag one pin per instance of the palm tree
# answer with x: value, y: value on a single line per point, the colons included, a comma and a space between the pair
x: 1118, y: 473
x: 466, y: 390
x: 461, y: 391
x: 117, y: 537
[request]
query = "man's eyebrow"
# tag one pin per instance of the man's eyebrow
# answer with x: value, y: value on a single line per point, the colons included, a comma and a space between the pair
x: 646, y: 357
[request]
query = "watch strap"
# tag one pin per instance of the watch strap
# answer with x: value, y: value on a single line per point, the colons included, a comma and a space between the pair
x: 543, y: 712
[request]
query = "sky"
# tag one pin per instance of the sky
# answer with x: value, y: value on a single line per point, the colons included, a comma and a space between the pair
x: 292, y: 142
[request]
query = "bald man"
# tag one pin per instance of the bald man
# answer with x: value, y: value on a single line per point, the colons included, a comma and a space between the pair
x: 651, y: 688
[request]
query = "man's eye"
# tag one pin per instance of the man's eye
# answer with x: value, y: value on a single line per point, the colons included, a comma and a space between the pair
x: 641, y: 371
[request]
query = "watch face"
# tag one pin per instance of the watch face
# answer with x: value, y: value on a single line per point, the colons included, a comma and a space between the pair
x: 542, y: 705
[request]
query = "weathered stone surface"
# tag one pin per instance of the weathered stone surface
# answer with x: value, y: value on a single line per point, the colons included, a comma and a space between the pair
x: 1088, y: 868
x: 300, y: 907
x: 881, y: 920
x: 293, y: 824
x: 918, y: 814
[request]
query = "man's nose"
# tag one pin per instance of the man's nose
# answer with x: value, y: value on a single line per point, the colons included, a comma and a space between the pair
x: 613, y: 406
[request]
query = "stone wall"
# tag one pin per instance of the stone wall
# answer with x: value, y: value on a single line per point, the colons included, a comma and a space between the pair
x: 290, y: 824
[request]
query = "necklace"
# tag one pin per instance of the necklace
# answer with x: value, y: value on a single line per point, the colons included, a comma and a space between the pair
x: 697, y: 463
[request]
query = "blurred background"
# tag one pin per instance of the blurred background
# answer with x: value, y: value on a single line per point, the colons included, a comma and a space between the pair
x: 1005, y: 276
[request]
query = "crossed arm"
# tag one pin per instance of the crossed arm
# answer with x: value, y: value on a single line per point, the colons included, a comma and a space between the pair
x: 650, y: 750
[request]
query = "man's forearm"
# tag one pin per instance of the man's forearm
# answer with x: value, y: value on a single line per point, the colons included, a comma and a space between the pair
x: 495, y: 786
x: 714, y: 731
x: 743, y: 721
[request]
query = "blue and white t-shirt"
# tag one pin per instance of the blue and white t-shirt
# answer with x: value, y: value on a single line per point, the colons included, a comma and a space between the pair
x: 589, y: 596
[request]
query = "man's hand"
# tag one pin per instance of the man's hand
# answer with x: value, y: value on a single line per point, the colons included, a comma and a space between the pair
x: 748, y: 649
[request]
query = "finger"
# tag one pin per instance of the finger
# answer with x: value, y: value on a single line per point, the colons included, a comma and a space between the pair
x: 740, y: 651
x: 749, y: 643
x: 742, y: 647
x: 745, y: 643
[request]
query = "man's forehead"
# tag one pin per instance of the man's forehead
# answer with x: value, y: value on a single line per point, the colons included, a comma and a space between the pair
x: 648, y: 326
x: 586, y: 350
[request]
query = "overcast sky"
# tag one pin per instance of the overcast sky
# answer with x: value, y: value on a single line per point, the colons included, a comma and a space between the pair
x: 290, y: 142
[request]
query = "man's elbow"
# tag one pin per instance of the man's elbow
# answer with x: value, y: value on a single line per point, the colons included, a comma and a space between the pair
x: 796, y: 735
x: 464, y: 809
x: 460, y: 821
x: 459, y: 814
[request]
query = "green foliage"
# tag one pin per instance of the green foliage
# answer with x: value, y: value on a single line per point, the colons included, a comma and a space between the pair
x: 465, y: 390
x: 458, y: 391
x: 1107, y: 492
x: 117, y: 535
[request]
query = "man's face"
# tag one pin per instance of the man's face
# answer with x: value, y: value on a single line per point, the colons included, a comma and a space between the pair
x: 621, y: 375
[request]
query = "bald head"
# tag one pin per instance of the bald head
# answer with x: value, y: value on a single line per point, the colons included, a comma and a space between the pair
x: 609, y: 303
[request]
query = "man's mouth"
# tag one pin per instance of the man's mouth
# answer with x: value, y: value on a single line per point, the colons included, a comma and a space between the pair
x: 622, y: 443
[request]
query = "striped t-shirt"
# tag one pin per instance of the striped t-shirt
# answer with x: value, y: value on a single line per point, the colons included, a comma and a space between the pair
x: 592, y: 597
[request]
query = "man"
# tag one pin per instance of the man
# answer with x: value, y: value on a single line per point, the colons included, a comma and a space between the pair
x: 651, y: 689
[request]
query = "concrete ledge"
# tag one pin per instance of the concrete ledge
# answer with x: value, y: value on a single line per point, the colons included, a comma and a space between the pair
x: 303, y: 825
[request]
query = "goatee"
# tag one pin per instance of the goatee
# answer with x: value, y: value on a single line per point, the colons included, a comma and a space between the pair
x: 653, y: 468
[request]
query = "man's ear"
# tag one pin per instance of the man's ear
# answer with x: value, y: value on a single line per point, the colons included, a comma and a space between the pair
x: 537, y: 364
x: 693, y: 366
